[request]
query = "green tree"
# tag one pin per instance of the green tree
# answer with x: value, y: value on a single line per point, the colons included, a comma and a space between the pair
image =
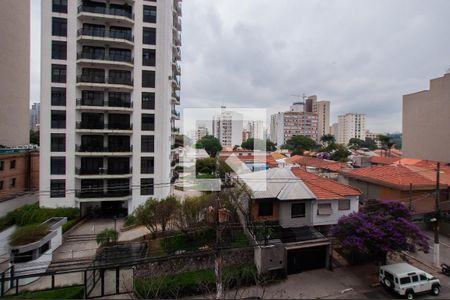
x: 205, y: 166
x: 192, y: 211
x: 370, y: 144
x: 34, y: 137
x: 146, y: 215
x: 355, y: 143
x: 210, y: 144
x: 181, y: 141
x: 386, y: 143
x: 107, y: 237
x: 252, y: 144
x: 299, y: 143
x: 166, y: 209
x: 328, y: 139
x: 340, y: 154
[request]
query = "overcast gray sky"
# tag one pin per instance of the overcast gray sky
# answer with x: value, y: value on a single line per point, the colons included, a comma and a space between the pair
x: 361, y: 55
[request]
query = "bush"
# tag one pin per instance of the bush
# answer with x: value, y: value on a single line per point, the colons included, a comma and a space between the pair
x: 194, y: 283
x: 69, y: 224
x: 33, y: 214
x: 28, y: 234
x: 107, y: 237
x: 188, y: 241
x: 62, y: 293
x: 130, y: 220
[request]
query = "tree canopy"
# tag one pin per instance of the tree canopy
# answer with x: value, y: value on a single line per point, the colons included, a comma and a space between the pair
x: 299, y: 143
x: 340, y: 153
x: 205, y: 166
x: 355, y: 143
x: 210, y: 144
x: 379, y: 228
x: 252, y: 144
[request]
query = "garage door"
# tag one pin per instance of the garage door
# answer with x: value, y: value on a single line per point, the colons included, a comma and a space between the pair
x: 305, y: 259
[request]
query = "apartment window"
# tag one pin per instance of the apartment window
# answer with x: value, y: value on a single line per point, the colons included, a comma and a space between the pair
x: 344, y: 204
x: 147, y: 186
x: 148, y: 122
x: 58, y: 119
x: 59, y: 73
x: 148, y: 100
x: 265, y: 209
x: 148, y: 79
x: 149, y: 57
x: 58, y: 142
x: 324, y: 209
x: 57, y: 188
x: 148, y: 143
x: 58, y: 97
x: 12, y: 182
x: 92, y: 98
x: 59, y: 26
x: 2, y: 165
x: 147, y: 165
x: 149, y: 14
x: 298, y: 210
x: 58, y: 166
x: 59, y: 6
x: 149, y: 36
x: 1, y: 185
x: 59, y: 50
x: 12, y: 164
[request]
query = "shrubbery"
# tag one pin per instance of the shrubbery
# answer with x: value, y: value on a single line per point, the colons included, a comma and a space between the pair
x: 62, y: 293
x: 33, y: 214
x: 188, y: 241
x: 28, y: 234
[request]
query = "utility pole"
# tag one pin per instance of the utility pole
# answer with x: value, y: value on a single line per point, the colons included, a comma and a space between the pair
x: 437, y: 217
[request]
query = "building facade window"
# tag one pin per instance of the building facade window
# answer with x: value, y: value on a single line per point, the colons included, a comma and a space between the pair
x: 148, y: 100
x: 58, y: 120
x: 344, y: 204
x: 298, y: 210
x: 12, y: 183
x: 265, y: 209
x: 147, y: 188
x: 324, y: 209
x: 2, y: 165
x: 58, y: 142
x: 58, y: 96
x: 149, y: 36
x: 149, y: 14
x: 57, y: 188
x: 59, y: 26
x: 147, y: 165
x: 149, y: 57
x: 148, y: 122
x: 148, y: 79
x: 12, y: 164
x: 1, y: 185
x: 147, y: 143
x: 58, y: 166
x: 59, y: 6
x: 59, y: 73
x: 59, y: 50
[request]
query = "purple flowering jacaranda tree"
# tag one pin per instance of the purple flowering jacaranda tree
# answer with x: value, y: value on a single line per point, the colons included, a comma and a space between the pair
x: 379, y: 228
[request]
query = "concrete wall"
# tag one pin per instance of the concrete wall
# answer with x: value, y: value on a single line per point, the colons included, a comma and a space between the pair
x: 287, y: 221
x: 426, y: 122
x: 270, y: 258
x: 14, y: 72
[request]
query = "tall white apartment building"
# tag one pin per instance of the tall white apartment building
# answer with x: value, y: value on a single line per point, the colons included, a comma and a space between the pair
x: 322, y: 109
x: 227, y: 127
x: 109, y: 88
x: 35, y: 113
x: 351, y: 125
x: 256, y: 129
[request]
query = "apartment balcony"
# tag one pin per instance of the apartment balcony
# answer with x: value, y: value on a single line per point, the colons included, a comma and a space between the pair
x: 105, y: 82
x: 175, y: 130
x: 100, y: 127
x: 176, y: 53
x: 89, y: 150
x: 106, y: 14
x: 175, y: 99
x: 177, y: 22
x: 176, y: 68
x: 103, y: 173
x: 105, y: 59
x: 104, y: 105
x: 177, y: 7
x: 101, y: 36
x: 176, y: 83
x: 175, y: 115
x: 113, y: 195
x: 176, y: 38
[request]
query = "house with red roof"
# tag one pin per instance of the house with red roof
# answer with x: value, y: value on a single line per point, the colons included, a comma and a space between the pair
x: 322, y: 167
x: 412, y: 185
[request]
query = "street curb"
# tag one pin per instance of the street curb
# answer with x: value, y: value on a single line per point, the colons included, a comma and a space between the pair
x: 436, y: 269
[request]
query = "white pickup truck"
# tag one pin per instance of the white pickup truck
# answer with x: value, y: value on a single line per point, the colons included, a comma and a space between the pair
x: 407, y: 280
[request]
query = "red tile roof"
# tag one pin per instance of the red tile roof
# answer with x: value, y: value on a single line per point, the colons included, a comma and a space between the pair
x: 268, y: 159
x: 323, y: 188
x: 316, y: 162
x: 395, y: 176
x: 381, y: 160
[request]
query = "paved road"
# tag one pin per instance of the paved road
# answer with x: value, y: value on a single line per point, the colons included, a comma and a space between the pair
x: 444, y: 250
x: 10, y: 205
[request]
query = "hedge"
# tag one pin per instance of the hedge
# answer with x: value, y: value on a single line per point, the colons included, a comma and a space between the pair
x: 28, y: 234
x: 63, y: 293
x: 194, y: 283
x: 33, y: 214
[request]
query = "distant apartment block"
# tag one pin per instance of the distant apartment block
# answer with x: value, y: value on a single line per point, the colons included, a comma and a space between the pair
x: 14, y: 72
x: 374, y: 137
x: 227, y: 127
x: 109, y: 90
x: 35, y: 116
x: 426, y: 122
x: 334, y: 130
x: 351, y: 125
x: 19, y: 172
x: 322, y: 109
x: 201, y: 132
x: 285, y: 125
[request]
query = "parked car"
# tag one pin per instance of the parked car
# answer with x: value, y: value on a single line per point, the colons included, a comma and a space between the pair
x: 407, y: 280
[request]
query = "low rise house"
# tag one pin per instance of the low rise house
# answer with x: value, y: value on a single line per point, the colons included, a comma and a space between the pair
x: 322, y: 167
x: 299, y: 207
x: 414, y: 186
